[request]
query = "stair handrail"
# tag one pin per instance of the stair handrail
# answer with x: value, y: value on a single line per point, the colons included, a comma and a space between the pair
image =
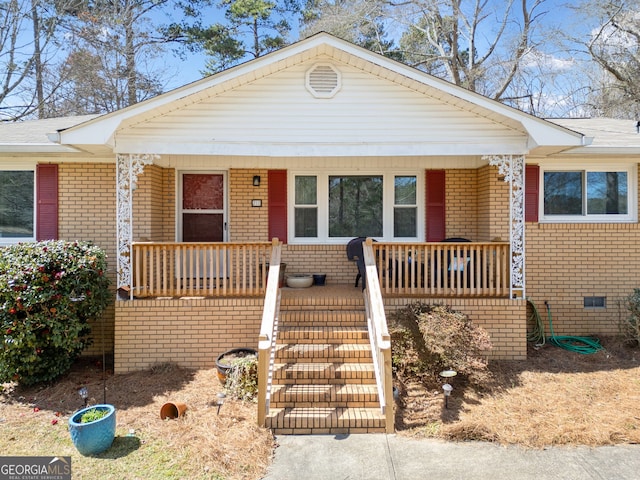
x: 378, y: 335
x: 268, y: 332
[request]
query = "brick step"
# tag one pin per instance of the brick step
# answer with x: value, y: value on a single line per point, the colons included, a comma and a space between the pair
x: 323, y: 373
x: 323, y: 318
x: 325, y: 420
x: 323, y: 352
x: 327, y: 395
x: 339, y: 298
x: 323, y: 335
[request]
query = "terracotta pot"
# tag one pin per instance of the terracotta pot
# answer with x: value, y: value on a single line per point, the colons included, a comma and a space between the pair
x: 172, y: 410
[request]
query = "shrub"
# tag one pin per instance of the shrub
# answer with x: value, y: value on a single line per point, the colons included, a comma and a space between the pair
x: 93, y: 415
x: 630, y: 327
x: 48, y: 291
x: 242, y: 379
x: 427, y: 339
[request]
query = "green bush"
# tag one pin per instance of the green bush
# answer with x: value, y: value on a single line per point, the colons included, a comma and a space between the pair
x: 48, y: 292
x: 630, y: 326
x: 427, y: 339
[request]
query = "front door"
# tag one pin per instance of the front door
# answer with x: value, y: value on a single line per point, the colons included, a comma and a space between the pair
x: 202, y: 214
x: 202, y: 207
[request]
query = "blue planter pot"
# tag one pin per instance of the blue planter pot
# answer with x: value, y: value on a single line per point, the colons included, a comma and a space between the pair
x: 93, y: 437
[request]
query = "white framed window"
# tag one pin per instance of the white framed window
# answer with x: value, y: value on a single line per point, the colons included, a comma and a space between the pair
x: 17, y: 205
x: 595, y: 194
x: 333, y: 208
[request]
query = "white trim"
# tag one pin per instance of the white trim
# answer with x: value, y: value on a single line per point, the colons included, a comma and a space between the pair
x: 322, y: 175
x: 586, y: 166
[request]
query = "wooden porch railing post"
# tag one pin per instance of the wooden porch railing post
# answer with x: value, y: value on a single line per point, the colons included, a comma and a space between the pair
x: 268, y: 331
x: 379, y: 336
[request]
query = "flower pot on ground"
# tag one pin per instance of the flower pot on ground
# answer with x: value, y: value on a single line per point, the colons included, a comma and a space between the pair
x: 225, y: 360
x: 93, y: 429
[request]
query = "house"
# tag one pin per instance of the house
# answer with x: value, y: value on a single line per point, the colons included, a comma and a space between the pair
x: 313, y: 145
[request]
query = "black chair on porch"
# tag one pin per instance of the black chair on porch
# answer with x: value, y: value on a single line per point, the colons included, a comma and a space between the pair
x: 355, y: 252
x: 454, y: 263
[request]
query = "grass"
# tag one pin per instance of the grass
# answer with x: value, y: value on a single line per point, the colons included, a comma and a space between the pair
x: 555, y: 397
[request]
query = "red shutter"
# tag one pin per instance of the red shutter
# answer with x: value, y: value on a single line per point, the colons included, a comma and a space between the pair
x: 531, y: 192
x: 435, y: 205
x: 277, y: 195
x: 46, y: 202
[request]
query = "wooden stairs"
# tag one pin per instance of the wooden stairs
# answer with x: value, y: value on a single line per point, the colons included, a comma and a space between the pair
x: 323, y: 379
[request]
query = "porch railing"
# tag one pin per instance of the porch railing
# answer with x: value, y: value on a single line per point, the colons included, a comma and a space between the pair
x: 199, y: 269
x: 379, y: 336
x: 268, y: 334
x: 460, y: 269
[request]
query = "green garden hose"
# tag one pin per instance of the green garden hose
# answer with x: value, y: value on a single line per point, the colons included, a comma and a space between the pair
x: 584, y: 345
x: 536, y: 335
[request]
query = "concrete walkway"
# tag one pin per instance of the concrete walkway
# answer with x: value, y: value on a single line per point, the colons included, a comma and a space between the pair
x: 391, y: 457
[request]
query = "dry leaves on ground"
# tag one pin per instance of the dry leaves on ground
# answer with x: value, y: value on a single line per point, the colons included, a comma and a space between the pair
x: 555, y: 397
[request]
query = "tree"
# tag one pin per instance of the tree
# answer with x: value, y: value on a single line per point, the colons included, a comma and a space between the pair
x: 251, y: 28
x: 478, y: 45
x: 108, y: 42
x: 26, y: 49
x: 357, y: 21
x: 614, y: 44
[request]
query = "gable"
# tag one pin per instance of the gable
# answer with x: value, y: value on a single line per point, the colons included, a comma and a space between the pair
x: 278, y: 115
x: 263, y: 108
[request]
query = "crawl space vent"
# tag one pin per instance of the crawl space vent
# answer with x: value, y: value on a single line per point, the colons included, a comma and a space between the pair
x: 323, y: 80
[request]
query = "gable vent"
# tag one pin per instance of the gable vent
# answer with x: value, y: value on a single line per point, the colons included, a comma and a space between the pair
x: 323, y: 80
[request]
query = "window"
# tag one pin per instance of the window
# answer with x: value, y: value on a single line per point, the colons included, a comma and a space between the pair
x: 589, y: 195
x: 306, y: 207
x: 16, y: 205
x: 330, y: 207
x: 405, y: 209
x: 355, y: 206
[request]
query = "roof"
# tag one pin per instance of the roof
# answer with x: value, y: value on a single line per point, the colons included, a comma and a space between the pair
x: 610, y: 135
x: 540, y: 135
x: 32, y: 136
x: 96, y: 133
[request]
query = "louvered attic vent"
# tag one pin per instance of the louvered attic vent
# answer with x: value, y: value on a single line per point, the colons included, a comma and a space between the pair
x: 323, y: 80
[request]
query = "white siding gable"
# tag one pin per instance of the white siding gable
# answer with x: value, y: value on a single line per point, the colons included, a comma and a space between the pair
x: 276, y: 115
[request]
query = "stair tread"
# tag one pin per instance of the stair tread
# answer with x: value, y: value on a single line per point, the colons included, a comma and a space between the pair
x: 338, y: 334
x: 326, y: 419
x: 323, y: 352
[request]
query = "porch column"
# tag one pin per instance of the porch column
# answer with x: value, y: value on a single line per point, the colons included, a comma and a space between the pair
x: 512, y: 168
x: 128, y: 167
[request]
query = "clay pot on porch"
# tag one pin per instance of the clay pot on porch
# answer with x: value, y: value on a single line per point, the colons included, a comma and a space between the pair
x: 224, y: 360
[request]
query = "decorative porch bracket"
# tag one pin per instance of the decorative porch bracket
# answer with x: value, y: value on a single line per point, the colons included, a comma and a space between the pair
x: 128, y: 168
x: 512, y: 168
